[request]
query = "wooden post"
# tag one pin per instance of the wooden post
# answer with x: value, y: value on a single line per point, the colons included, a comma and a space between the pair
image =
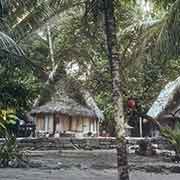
x: 46, y: 118
x: 97, y: 125
x: 54, y: 124
x: 50, y: 45
x: 140, y: 127
x: 82, y: 124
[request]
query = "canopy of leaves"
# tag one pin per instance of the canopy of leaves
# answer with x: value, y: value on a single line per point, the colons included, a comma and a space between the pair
x: 146, y: 40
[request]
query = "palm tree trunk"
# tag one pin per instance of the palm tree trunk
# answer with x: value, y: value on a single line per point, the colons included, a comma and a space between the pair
x: 117, y: 97
x: 51, y: 80
x: 51, y: 51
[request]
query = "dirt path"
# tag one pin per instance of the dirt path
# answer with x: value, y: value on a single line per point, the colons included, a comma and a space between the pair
x: 77, y: 174
x: 89, y: 165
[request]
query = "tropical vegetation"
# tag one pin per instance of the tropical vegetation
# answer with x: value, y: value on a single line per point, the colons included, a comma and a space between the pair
x: 115, y: 49
x: 9, y: 153
x: 173, y: 137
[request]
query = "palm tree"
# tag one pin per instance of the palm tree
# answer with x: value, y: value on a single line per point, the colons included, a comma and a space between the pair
x: 104, y: 9
x: 115, y: 62
x: 160, y: 37
x: 165, y: 30
x: 36, y: 16
x: 28, y: 16
x: 168, y: 43
x: 36, y: 13
x: 8, y: 47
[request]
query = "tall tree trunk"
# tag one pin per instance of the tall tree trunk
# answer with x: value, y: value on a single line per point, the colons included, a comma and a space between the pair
x: 51, y: 51
x: 51, y: 80
x: 54, y: 67
x: 117, y: 97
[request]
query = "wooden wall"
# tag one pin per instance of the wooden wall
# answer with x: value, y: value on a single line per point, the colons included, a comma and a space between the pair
x: 76, y: 124
x: 44, y: 122
x: 79, y: 124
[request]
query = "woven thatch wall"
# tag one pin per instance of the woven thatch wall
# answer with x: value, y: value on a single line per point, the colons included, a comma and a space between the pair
x: 167, y: 102
x: 62, y: 123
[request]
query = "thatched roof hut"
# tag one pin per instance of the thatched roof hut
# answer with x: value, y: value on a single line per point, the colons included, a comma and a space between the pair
x: 66, y: 108
x: 166, y: 106
x: 168, y: 100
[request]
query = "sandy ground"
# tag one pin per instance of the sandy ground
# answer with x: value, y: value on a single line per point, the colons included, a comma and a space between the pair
x: 77, y: 174
x: 88, y: 165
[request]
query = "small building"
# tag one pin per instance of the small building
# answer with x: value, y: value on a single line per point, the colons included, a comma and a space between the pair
x: 66, y: 117
x: 166, y: 108
x: 66, y: 109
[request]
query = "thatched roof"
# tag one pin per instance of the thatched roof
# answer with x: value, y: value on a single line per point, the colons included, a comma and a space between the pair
x: 67, y: 100
x: 168, y: 100
x: 65, y: 106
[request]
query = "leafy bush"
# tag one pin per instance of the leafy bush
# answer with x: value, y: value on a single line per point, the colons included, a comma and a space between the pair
x: 7, y: 117
x: 173, y: 137
x: 9, y: 153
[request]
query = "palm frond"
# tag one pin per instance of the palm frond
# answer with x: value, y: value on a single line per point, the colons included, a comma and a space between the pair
x: 10, y: 52
x: 163, y: 3
x: 31, y: 19
x: 9, y: 45
x: 162, y: 41
x: 158, y: 41
x: 168, y: 42
x: 9, y: 7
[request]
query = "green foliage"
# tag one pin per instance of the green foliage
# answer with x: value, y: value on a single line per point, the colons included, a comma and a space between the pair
x: 9, y: 152
x: 166, y: 4
x: 173, y: 137
x: 18, y: 88
x: 104, y: 102
x: 10, y: 156
x: 7, y: 117
x: 78, y: 40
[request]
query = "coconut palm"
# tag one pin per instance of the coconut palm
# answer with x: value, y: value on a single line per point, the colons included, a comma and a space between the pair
x: 28, y: 16
x: 117, y: 95
x: 105, y: 8
x: 41, y: 12
x: 160, y: 37
x: 18, y: 18
x: 165, y: 30
x: 8, y: 47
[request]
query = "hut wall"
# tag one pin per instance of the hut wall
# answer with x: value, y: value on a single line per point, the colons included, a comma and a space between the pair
x: 50, y: 124
x: 44, y: 122
x: 90, y: 125
x: 94, y: 125
x: 66, y: 123
x: 62, y: 122
x: 77, y: 124
x: 86, y: 125
x: 97, y: 127
x: 40, y: 122
x: 93, y: 129
x: 73, y: 124
x: 58, y: 123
